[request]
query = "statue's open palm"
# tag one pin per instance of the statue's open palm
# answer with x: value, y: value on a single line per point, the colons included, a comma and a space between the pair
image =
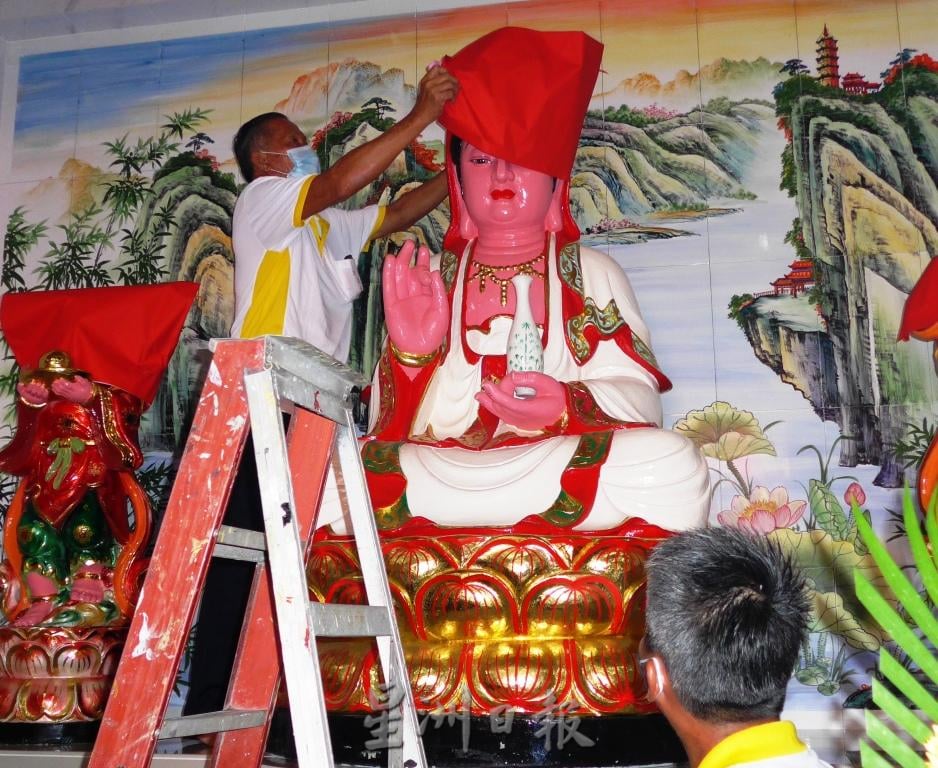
x: 416, y: 308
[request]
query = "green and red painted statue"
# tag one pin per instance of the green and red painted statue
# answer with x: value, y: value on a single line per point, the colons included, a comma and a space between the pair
x: 76, y: 531
x: 72, y: 556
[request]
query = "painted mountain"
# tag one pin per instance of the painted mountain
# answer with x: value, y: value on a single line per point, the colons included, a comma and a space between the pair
x: 344, y: 86
x: 729, y: 78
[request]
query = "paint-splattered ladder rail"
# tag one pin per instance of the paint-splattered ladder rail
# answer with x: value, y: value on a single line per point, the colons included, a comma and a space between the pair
x: 250, y: 384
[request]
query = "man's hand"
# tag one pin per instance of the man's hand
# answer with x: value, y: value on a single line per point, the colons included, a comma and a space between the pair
x: 543, y: 409
x: 365, y: 163
x: 416, y: 308
x: 436, y: 88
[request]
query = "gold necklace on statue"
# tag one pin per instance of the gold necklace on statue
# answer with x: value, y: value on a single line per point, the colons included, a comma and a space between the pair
x: 488, y: 272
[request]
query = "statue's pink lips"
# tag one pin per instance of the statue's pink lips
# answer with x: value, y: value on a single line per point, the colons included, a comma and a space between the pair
x: 503, y: 194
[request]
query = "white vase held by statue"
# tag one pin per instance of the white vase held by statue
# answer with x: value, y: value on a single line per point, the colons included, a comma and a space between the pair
x: 525, y: 350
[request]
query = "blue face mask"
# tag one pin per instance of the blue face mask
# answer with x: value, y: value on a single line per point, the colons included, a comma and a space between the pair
x: 305, y: 162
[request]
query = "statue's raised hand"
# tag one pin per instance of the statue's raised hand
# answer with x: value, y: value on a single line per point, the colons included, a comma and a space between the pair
x: 542, y: 409
x: 416, y: 309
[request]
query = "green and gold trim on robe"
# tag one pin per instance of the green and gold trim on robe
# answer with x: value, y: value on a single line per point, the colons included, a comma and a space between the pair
x: 380, y: 458
x: 382, y: 462
x: 591, y: 452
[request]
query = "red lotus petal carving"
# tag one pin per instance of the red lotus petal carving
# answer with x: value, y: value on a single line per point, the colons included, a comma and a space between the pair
x: 519, y: 560
x: 78, y: 660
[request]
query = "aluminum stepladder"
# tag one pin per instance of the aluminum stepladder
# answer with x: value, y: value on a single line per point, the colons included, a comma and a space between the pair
x: 250, y: 384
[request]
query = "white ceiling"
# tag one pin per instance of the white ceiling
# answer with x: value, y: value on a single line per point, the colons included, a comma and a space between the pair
x: 30, y: 19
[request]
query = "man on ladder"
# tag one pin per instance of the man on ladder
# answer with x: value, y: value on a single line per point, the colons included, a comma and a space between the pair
x: 296, y: 274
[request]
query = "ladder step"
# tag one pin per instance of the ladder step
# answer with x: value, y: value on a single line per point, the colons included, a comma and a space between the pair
x: 212, y: 722
x: 337, y: 620
x: 240, y: 544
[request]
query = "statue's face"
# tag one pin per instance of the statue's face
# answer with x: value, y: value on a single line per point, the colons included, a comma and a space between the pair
x: 498, y: 193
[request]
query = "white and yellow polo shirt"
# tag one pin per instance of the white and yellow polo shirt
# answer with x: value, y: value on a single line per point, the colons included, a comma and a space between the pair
x: 769, y: 745
x: 296, y: 277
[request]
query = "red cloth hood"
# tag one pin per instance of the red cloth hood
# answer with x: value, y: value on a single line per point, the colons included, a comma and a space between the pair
x: 123, y: 336
x: 523, y: 95
x: 921, y: 307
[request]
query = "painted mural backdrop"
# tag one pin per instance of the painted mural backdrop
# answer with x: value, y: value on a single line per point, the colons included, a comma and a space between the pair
x: 765, y: 172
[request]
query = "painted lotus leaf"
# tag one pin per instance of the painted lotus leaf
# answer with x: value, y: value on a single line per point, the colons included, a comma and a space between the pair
x: 829, y: 566
x: 827, y: 510
x: 831, y: 616
x: 724, y: 432
x: 734, y: 445
x: 814, y: 674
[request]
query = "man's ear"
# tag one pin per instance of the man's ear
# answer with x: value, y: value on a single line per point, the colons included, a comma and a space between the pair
x: 656, y: 674
x: 258, y: 163
x: 553, y: 222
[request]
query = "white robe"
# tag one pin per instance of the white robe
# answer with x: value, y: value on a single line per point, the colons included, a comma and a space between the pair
x: 649, y: 472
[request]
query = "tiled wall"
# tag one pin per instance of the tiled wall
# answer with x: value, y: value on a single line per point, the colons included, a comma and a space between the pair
x: 696, y: 184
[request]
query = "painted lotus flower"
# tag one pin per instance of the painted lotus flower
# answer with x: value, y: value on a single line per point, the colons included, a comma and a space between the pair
x: 855, y: 493
x: 763, y: 512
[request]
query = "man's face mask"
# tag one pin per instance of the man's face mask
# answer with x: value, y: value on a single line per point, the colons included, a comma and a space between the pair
x: 305, y: 161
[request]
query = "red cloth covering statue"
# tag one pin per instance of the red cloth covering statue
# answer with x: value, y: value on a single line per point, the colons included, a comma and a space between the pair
x: 920, y: 320
x: 91, y: 362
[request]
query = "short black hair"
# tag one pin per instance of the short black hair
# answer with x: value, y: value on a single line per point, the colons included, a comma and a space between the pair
x: 246, y: 140
x: 727, y: 612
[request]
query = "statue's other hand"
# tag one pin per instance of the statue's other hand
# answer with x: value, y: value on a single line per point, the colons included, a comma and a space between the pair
x: 416, y: 308
x: 77, y: 389
x: 542, y: 409
x: 33, y: 392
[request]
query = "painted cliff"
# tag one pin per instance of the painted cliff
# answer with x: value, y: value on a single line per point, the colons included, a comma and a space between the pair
x: 863, y: 169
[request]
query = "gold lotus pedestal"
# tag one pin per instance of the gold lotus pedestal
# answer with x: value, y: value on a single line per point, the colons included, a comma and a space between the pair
x: 517, y: 641
x: 54, y: 682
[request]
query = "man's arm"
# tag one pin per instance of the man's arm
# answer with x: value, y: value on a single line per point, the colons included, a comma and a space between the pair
x: 412, y: 206
x: 364, y: 164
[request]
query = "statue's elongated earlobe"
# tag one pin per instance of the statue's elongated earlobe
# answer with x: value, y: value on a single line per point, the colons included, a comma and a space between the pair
x: 467, y: 227
x: 553, y: 222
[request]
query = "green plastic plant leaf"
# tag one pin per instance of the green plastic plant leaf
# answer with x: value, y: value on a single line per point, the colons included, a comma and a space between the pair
x: 891, y: 621
x: 904, y: 681
x: 870, y: 758
x: 903, y: 589
x: 900, y: 713
x: 889, y: 742
x: 923, y: 559
x: 905, y: 634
